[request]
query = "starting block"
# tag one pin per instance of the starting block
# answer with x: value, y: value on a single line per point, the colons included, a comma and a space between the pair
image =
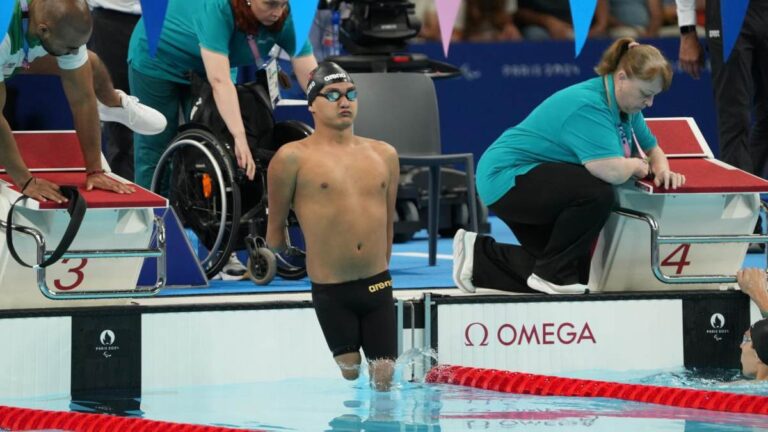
x: 694, y: 237
x: 106, y: 256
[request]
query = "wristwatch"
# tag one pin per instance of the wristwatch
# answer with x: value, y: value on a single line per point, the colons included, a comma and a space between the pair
x: 687, y: 29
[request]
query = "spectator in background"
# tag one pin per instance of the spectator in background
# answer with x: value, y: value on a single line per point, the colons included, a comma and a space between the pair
x: 488, y: 21
x: 551, y: 19
x: 425, y: 11
x: 635, y: 18
x: 476, y: 21
x: 113, y: 23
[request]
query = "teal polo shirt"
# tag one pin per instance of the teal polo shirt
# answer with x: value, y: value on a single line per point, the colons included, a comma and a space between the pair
x: 191, y: 24
x: 575, y: 125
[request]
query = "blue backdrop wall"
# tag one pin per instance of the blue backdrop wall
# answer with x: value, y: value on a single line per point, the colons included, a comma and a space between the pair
x: 501, y: 84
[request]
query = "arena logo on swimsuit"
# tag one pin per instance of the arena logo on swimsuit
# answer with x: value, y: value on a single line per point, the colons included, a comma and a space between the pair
x: 547, y: 333
x: 380, y: 286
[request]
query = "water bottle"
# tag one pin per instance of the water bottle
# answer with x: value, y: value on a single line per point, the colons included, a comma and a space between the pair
x: 326, y: 34
x: 335, y: 48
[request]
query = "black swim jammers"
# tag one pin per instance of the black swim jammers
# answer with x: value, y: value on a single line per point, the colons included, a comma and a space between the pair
x: 358, y: 314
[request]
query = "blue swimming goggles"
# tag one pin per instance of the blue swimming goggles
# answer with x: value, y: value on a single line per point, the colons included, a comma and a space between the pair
x: 334, y: 95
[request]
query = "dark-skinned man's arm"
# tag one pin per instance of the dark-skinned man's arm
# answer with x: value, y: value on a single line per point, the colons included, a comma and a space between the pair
x: 78, y: 87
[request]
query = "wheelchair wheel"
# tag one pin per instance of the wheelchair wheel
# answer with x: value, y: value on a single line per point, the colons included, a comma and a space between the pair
x: 460, y: 219
x: 262, y: 267
x: 293, y: 264
x: 199, y: 175
x: 408, y: 212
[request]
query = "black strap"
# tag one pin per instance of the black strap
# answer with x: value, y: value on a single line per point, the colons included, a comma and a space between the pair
x: 76, y: 210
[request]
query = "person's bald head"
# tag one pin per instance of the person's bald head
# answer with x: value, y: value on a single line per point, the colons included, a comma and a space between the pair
x: 63, y: 26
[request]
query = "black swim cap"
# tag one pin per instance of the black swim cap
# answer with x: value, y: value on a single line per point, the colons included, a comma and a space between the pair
x: 325, y: 73
x: 759, y: 335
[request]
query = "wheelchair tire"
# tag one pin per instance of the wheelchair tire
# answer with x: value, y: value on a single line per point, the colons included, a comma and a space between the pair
x: 292, y: 274
x: 405, y: 211
x: 263, y: 267
x: 460, y: 219
x: 210, y: 206
x: 297, y: 270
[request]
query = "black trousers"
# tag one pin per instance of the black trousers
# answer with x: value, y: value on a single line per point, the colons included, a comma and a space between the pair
x: 741, y: 88
x: 109, y: 40
x: 556, y: 211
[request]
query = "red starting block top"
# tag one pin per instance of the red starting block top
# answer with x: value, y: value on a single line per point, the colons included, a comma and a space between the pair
x: 708, y: 176
x: 95, y: 198
x: 50, y: 150
x: 679, y: 137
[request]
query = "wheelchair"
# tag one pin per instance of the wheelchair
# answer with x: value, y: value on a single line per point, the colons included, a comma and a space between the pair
x: 211, y: 195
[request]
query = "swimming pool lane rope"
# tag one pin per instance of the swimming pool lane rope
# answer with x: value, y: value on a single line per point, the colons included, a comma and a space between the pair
x: 543, y: 385
x: 24, y: 419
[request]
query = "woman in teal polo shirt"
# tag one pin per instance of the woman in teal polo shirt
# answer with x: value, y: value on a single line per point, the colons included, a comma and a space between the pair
x: 208, y: 37
x: 551, y: 177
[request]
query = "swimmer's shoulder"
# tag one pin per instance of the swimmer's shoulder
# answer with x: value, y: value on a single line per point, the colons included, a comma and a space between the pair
x: 383, y: 148
x: 290, y: 154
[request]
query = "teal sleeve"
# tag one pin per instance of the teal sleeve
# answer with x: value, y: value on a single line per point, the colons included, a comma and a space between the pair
x: 591, y: 134
x: 215, y: 25
x: 644, y: 136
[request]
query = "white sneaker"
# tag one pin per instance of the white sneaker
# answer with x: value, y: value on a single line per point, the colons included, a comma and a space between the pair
x: 233, y: 270
x: 539, y: 284
x: 463, y: 259
x: 134, y: 115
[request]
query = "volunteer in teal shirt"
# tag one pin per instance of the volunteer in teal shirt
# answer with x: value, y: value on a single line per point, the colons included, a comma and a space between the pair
x: 551, y: 177
x: 208, y: 37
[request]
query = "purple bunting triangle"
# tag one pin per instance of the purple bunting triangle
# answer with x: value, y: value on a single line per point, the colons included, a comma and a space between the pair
x: 153, y: 13
x: 446, y: 17
x: 582, y: 12
x: 302, y: 13
x: 6, y: 10
x: 732, y: 14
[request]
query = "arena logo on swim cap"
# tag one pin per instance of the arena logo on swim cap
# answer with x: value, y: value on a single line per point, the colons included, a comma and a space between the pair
x: 336, y: 76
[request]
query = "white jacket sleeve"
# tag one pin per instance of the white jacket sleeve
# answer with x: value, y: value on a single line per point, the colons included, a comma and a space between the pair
x: 686, y: 12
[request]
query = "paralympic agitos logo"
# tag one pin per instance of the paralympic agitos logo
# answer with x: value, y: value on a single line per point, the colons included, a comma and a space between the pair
x: 547, y: 333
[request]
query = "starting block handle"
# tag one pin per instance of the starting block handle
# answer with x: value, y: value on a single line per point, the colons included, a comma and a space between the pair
x: 657, y: 240
x: 141, y: 291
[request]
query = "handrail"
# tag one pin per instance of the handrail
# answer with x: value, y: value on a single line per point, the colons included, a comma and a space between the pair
x: 657, y: 239
x: 141, y: 291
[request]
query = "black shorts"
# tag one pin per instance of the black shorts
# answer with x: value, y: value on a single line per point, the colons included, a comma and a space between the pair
x: 358, y: 314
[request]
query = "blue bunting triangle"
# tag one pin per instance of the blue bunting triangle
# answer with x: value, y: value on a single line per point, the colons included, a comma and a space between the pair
x: 6, y: 10
x: 302, y: 12
x: 153, y: 12
x: 732, y: 14
x: 582, y: 12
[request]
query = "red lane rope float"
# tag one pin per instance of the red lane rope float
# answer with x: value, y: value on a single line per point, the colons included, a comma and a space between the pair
x: 543, y: 385
x: 24, y: 419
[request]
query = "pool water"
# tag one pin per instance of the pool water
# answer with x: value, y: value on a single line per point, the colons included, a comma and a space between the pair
x: 315, y: 404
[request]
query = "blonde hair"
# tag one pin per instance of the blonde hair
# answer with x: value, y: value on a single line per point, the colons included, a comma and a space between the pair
x: 640, y: 61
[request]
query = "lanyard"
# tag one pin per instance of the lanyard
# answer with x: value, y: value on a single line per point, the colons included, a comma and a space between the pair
x: 624, y: 139
x: 627, y: 146
x: 254, y: 50
x: 25, y: 28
